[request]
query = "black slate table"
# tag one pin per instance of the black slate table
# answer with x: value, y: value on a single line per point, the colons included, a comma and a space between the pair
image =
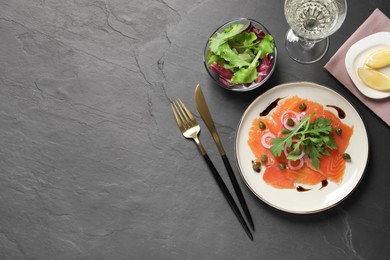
x: 93, y: 166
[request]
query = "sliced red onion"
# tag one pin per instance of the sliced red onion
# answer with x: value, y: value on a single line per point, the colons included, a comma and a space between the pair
x: 266, y: 139
x: 299, y: 116
x: 288, y: 113
x: 294, y: 168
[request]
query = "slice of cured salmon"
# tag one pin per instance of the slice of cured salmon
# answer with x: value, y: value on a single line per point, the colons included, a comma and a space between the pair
x: 332, y: 167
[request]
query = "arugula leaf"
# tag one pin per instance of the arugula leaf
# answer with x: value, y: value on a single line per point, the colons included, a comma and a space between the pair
x: 279, y: 142
x: 278, y: 145
x: 247, y: 75
x: 314, y: 155
x: 294, y: 154
x: 321, y: 125
x: 314, y: 138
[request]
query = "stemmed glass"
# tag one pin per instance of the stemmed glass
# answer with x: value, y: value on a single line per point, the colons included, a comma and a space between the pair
x: 311, y: 22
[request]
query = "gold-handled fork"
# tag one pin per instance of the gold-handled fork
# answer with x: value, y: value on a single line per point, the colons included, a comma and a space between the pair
x: 187, y: 123
x: 190, y: 129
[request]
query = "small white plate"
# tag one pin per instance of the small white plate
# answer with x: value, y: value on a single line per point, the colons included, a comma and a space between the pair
x: 357, y: 55
x: 315, y: 200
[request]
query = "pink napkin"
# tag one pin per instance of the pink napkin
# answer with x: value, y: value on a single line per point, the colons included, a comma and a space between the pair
x: 376, y: 22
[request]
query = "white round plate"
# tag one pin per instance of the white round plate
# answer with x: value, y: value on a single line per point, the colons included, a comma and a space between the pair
x: 315, y: 200
x: 357, y: 55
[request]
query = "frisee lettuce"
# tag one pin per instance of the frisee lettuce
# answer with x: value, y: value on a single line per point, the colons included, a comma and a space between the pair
x: 221, y: 38
x: 240, y: 52
x: 232, y: 56
x: 247, y: 74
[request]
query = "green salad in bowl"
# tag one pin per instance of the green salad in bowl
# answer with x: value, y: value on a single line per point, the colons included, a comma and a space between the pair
x: 240, y: 55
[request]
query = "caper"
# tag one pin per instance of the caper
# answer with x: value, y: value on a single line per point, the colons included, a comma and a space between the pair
x: 256, y: 166
x: 285, y: 131
x: 262, y: 125
x: 282, y: 166
x: 290, y: 122
x: 264, y: 158
x: 302, y: 106
x: 338, y: 131
x: 346, y: 156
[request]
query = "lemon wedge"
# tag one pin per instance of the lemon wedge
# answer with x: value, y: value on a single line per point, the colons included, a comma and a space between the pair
x: 374, y: 79
x: 379, y: 59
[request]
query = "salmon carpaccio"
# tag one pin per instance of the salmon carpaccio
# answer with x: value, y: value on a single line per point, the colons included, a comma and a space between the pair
x: 331, y: 167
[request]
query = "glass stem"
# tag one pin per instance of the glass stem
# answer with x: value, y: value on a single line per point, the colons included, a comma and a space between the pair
x: 307, y: 44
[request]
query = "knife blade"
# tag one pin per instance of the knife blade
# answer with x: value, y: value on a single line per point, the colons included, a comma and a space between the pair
x: 206, y: 116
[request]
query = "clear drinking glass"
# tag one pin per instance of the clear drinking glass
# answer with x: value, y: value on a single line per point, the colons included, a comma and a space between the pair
x: 311, y: 22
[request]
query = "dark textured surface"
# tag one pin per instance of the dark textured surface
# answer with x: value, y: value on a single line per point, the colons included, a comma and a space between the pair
x: 92, y: 165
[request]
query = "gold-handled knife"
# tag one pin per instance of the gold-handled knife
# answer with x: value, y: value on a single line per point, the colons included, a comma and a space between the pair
x: 206, y: 116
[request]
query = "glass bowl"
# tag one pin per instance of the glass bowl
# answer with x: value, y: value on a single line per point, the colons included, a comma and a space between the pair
x: 238, y: 87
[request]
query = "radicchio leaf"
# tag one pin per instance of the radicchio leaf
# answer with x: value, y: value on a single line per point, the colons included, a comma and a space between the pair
x: 259, y: 33
x: 225, y: 82
x: 264, y: 68
x: 221, y: 71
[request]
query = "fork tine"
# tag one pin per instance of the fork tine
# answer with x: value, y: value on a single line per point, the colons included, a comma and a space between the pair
x: 178, y: 120
x: 179, y: 112
x: 193, y: 120
x: 184, y: 114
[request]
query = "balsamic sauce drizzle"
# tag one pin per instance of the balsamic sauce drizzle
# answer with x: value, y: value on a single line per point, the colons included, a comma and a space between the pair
x: 301, y: 189
x: 324, y: 183
x: 270, y: 107
x: 340, y: 112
